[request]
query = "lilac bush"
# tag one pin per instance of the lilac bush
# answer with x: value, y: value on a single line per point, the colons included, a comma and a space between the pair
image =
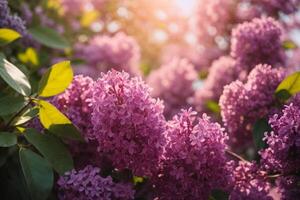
x: 128, y: 123
x: 244, y: 103
x: 88, y: 184
x: 172, y: 83
x: 194, y: 159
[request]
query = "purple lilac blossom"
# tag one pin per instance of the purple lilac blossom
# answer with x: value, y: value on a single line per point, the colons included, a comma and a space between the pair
x: 128, y: 123
x: 7, y: 20
x: 172, y: 83
x: 283, y: 152
x: 87, y: 184
x: 76, y: 104
x: 103, y: 53
x: 222, y: 72
x: 249, y: 183
x: 274, y: 6
x: 194, y: 158
x: 257, y: 42
x: 244, y: 103
x: 289, y: 187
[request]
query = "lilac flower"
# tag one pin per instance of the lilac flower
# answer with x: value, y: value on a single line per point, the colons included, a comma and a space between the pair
x: 275, y: 6
x: 103, y: 53
x: 128, y: 123
x: 249, y: 183
x: 172, y: 83
x: 194, y: 159
x: 283, y: 152
x: 76, y: 103
x: 222, y: 72
x: 257, y: 42
x: 87, y: 184
x: 243, y: 104
x: 7, y: 20
x: 289, y: 187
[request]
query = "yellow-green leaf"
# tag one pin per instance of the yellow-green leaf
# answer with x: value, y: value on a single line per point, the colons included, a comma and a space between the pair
x: 7, y: 36
x: 289, y: 86
x: 30, y: 56
x: 56, y: 122
x: 14, y: 77
x: 56, y: 79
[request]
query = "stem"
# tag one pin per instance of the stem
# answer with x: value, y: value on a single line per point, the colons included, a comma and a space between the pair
x: 17, y: 114
x: 229, y: 152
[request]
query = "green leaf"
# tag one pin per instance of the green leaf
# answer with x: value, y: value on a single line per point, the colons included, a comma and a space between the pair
x: 26, y: 116
x: 56, y: 79
x: 11, y: 104
x: 289, y: 86
x: 259, y: 128
x: 38, y: 174
x: 7, y: 139
x: 219, y: 195
x: 30, y: 56
x: 7, y: 36
x: 56, y: 122
x: 213, y: 106
x: 49, y: 37
x: 14, y: 77
x: 52, y: 149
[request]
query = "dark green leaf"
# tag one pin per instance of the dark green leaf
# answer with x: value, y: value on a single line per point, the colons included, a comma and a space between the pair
x: 7, y: 36
x: 259, y: 128
x: 11, y: 104
x: 49, y: 37
x: 52, y: 149
x: 289, y: 86
x: 14, y: 77
x: 219, y: 195
x: 56, y: 122
x: 38, y: 174
x: 7, y: 139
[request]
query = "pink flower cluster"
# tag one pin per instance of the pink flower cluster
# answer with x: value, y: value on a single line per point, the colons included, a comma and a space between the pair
x: 172, y: 83
x: 88, y: 184
x: 102, y: 53
x: 128, y: 123
x: 194, y: 160
x: 244, y: 103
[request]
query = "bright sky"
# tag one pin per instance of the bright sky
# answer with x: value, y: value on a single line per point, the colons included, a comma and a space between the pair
x: 187, y: 6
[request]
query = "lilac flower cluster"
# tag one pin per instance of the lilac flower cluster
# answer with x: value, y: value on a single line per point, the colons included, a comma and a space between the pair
x: 289, y: 187
x: 283, y: 152
x: 272, y: 7
x: 222, y: 72
x: 76, y: 103
x: 102, y: 53
x: 77, y: 7
x: 249, y: 183
x: 194, y: 159
x: 87, y: 184
x: 257, y: 42
x: 7, y: 20
x: 243, y: 104
x: 172, y: 83
x: 128, y: 123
